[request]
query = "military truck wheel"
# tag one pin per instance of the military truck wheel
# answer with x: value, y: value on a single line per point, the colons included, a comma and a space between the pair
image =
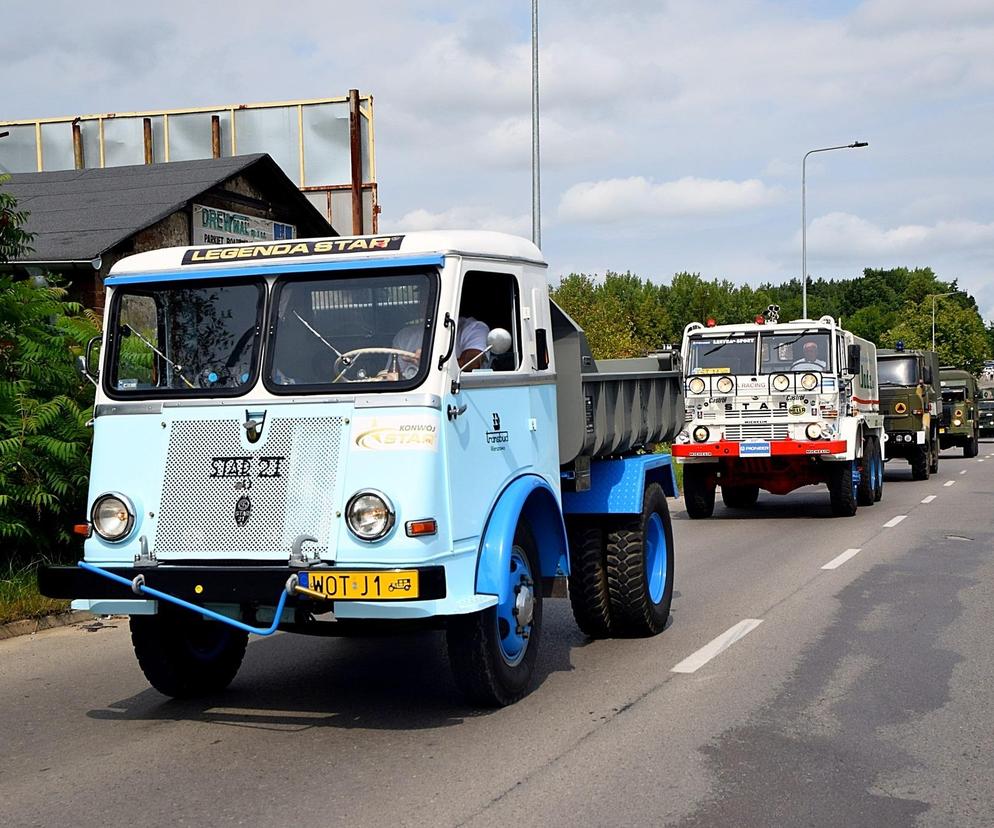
x: 739, y: 497
x: 920, y: 463
x: 698, y: 490
x: 933, y: 451
x: 842, y: 489
x: 493, y: 652
x: 972, y: 447
x: 640, y: 567
x: 588, y: 592
x: 185, y: 656
x: 878, y: 481
x: 867, y: 474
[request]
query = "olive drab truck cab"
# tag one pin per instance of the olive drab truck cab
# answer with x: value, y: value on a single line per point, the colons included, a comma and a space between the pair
x: 331, y: 436
x: 985, y: 408
x: 959, y: 424
x: 777, y: 406
x: 911, y: 402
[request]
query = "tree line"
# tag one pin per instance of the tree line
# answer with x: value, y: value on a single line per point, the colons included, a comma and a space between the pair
x: 625, y: 315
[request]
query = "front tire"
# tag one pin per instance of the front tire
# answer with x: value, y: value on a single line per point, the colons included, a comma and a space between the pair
x: 640, y: 567
x: 185, y: 656
x: 842, y: 489
x: 972, y: 447
x: 933, y: 449
x: 493, y: 652
x: 698, y: 490
x: 739, y: 497
x: 920, y: 463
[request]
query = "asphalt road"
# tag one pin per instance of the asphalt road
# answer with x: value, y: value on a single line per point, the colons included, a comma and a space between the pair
x: 860, y: 694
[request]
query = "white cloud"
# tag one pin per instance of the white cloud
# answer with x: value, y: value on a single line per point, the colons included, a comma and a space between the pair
x: 462, y: 218
x: 842, y: 235
x: 627, y: 199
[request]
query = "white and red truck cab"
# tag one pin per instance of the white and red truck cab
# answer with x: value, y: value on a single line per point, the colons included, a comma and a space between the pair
x: 777, y: 406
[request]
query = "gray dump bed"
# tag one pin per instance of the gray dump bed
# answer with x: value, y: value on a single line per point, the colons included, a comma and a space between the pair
x: 612, y: 406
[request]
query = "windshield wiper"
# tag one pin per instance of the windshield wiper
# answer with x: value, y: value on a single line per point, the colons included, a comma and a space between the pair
x: 805, y: 332
x: 175, y: 365
x: 321, y: 338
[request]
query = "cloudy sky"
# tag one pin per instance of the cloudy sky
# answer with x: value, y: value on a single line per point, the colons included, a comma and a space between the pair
x: 672, y: 132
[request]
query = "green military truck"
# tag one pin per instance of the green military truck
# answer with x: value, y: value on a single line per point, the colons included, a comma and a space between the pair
x: 958, y: 425
x: 910, y: 399
x: 986, y: 416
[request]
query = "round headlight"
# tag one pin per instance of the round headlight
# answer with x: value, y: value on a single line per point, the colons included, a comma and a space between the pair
x: 369, y: 515
x: 809, y: 382
x: 112, y: 517
x: 957, y: 422
x: 781, y: 382
x: 813, y: 431
x: 900, y: 408
x: 696, y: 385
x: 724, y: 384
x: 701, y: 434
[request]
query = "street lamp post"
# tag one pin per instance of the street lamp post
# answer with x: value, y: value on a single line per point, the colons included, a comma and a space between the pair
x: 804, y: 219
x: 934, y: 297
x: 536, y: 181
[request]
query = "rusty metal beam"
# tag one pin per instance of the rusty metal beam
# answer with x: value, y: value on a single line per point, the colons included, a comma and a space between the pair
x: 79, y: 159
x: 355, y: 152
x: 147, y: 126
x: 215, y: 136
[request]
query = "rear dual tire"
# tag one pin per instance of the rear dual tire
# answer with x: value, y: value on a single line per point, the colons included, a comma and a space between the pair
x: 842, y: 488
x: 698, y: 490
x: 739, y: 497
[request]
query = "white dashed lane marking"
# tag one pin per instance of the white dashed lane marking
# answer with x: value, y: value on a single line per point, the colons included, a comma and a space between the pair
x: 695, y: 661
x: 928, y: 499
x: 835, y: 563
x: 890, y: 524
x: 949, y: 483
x: 963, y: 471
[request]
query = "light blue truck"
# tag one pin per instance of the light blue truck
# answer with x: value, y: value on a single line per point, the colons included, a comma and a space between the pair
x: 331, y: 436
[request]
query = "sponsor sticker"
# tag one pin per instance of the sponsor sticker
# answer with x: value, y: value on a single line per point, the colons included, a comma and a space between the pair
x: 754, y: 448
x: 395, y: 433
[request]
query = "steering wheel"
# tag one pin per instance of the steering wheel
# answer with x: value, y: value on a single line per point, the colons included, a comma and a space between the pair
x: 348, y: 359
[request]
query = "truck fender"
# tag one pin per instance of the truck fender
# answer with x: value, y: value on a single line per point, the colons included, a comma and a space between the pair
x: 532, y: 498
x: 850, y: 432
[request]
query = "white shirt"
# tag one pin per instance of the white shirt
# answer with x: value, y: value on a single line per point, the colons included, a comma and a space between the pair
x: 472, y: 335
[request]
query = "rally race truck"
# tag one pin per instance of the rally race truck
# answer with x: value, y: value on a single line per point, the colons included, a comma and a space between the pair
x: 959, y: 424
x: 911, y: 401
x: 345, y: 435
x: 777, y: 406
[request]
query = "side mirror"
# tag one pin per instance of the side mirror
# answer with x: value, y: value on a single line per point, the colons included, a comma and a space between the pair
x: 85, y: 360
x: 852, y: 363
x: 927, y: 375
x: 499, y: 341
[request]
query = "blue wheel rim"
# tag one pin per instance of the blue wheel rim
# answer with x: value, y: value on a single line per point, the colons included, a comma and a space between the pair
x: 654, y: 549
x: 855, y: 479
x: 514, y: 644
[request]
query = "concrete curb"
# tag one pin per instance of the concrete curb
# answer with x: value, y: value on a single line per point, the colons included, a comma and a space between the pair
x: 29, y: 626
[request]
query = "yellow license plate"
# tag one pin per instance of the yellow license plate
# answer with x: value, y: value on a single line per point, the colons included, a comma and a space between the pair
x: 942, y: 431
x: 345, y: 585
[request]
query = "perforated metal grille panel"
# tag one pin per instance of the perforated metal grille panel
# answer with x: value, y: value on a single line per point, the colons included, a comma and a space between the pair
x: 219, y: 498
x: 757, y: 431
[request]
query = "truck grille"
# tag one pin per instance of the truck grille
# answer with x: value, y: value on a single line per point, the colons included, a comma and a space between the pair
x: 757, y: 431
x: 205, y: 508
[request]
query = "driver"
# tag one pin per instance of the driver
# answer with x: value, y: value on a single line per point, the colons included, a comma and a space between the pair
x: 811, y: 360
x: 470, y: 343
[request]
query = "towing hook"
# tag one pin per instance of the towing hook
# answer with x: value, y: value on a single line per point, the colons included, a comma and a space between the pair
x: 137, y: 583
x: 454, y: 411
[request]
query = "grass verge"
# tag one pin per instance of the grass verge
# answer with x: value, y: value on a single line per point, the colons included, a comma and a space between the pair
x: 19, y: 596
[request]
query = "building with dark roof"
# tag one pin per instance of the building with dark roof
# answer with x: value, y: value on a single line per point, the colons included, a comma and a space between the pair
x: 83, y: 221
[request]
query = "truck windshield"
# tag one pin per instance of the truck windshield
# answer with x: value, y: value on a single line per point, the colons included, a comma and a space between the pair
x: 355, y: 333
x: 897, y: 371
x: 181, y: 340
x: 951, y: 395
x: 807, y: 350
x: 724, y: 354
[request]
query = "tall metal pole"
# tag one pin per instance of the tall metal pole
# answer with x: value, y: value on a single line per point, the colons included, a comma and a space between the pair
x: 536, y: 179
x: 804, y: 219
x: 934, y: 297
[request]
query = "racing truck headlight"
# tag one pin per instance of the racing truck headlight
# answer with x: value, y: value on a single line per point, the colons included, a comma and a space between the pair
x: 701, y: 434
x: 809, y: 382
x: 724, y: 384
x: 781, y: 382
x: 814, y: 431
x: 696, y: 385
x: 112, y: 516
x: 957, y: 422
x: 369, y: 515
x: 900, y: 408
